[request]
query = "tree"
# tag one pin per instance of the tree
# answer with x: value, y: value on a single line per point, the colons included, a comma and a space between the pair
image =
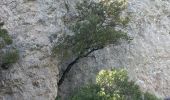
x: 112, y: 85
x: 96, y: 26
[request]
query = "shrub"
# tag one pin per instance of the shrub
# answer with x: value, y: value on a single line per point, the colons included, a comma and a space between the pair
x: 112, y: 85
x: 4, y: 35
x: 2, y: 43
x: 148, y: 96
x: 89, y: 92
x: 9, y: 58
x: 8, y: 55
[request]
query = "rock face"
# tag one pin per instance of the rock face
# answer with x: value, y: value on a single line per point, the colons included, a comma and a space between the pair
x: 31, y: 24
x: 35, y: 24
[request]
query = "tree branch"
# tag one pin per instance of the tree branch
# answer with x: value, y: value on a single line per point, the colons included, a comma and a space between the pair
x: 68, y: 68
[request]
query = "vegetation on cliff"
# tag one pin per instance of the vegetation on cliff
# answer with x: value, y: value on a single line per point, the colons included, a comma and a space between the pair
x: 8, y: 53
x: 96, y: 26
x: 112, y: 85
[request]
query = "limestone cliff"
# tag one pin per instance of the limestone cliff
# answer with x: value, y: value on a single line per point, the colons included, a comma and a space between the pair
x: 31, y: 23
x: 35, y: 24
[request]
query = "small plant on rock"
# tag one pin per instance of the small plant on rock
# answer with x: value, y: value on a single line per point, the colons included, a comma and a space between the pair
x: 8, y: 55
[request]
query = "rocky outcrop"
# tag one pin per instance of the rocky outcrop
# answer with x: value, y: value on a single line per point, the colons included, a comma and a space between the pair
x: 31, y: 24
x: 35, y: 24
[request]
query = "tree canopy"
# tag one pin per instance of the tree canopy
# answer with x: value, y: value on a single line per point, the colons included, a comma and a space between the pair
x: 95, y: 27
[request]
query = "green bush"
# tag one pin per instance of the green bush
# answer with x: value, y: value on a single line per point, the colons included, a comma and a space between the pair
x: 89, y: 92
x: 4, y: 35
x: 9, y: 58
x: 149, y: 96
x: 8, y: 55
x: 2, y: 43
x: 93, y: 29
x: 112, y: 85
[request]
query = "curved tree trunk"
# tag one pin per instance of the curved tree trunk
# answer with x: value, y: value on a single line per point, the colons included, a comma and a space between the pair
x: 68, y: 68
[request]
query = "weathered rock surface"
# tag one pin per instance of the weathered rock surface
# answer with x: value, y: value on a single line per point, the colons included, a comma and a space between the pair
x: 33, y: 25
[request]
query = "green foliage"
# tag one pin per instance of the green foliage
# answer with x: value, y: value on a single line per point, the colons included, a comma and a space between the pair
x: 4, y: 35
x: 115, y: 84
x: 8, y: 55
x: 148, y: 96
x: 58, y: 98
x: 112, y: 85
x: 94, y: 28
x: 89, y: 92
